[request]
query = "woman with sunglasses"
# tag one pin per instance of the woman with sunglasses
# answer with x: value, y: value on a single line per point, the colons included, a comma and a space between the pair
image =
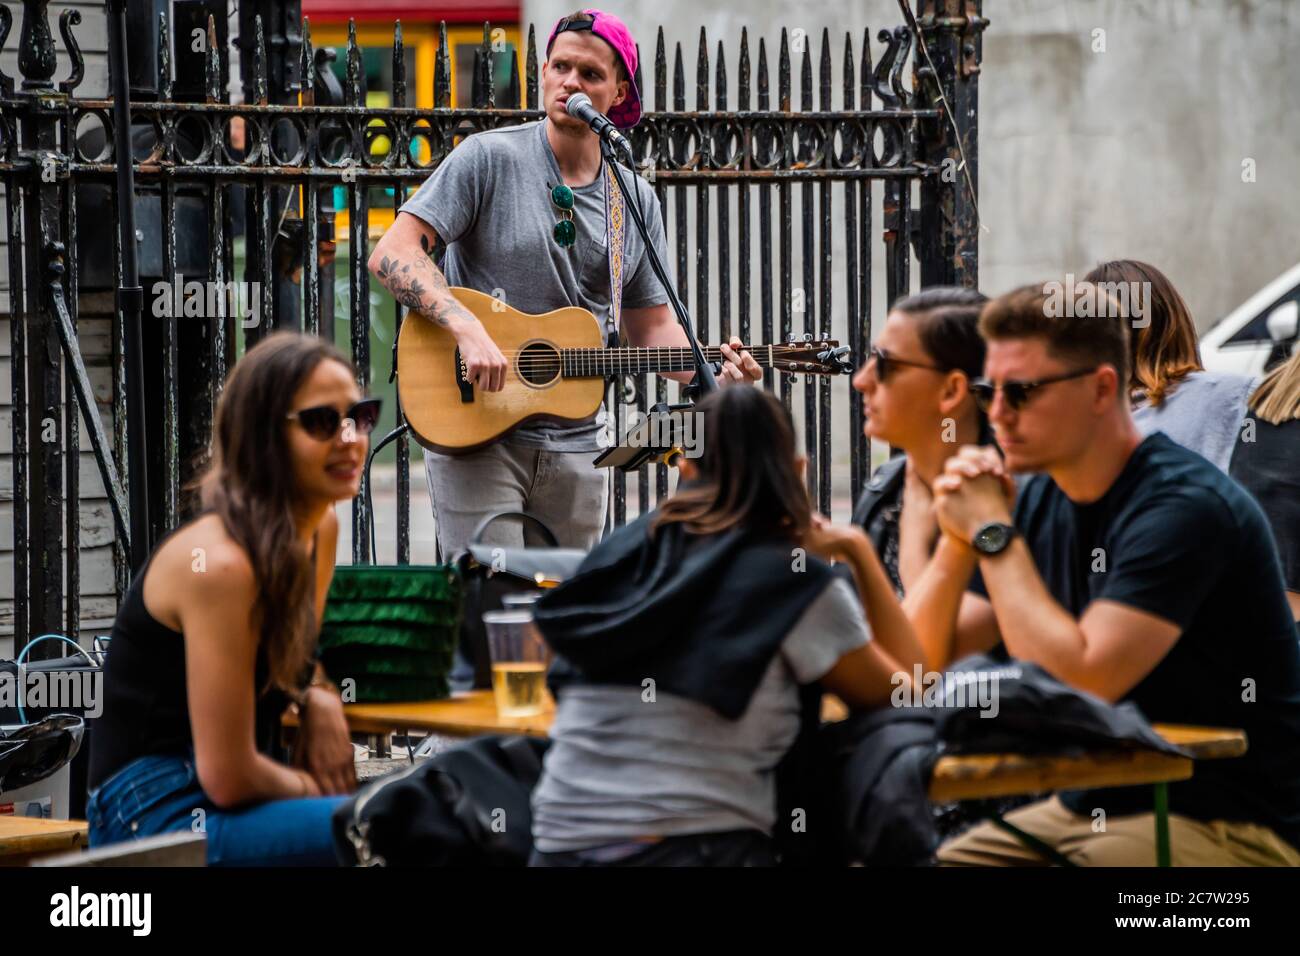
x: 918, y: 388
x: 217, y: 633
x: 916, y: 397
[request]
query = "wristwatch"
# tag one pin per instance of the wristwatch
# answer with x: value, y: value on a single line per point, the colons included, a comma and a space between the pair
x: 993, y: 538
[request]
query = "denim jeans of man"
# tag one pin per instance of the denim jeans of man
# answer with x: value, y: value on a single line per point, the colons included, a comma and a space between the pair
x: 161, y: 794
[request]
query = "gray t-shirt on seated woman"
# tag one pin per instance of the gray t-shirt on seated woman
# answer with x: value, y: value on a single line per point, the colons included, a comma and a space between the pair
x: 621, y: 768
x: 1204, y: 413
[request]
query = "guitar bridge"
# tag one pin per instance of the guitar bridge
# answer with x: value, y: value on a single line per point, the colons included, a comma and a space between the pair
x: 462, y: 381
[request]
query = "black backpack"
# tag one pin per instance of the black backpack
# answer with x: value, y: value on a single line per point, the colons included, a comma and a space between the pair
x: 468, y: 806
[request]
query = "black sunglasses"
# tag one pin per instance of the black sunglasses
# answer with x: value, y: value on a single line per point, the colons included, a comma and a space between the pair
x: 322, y: 422
x: 1017, y: 393
x: 885, y: 363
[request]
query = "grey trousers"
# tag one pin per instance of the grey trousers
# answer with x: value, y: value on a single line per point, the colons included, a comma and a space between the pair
x: 562, y: 489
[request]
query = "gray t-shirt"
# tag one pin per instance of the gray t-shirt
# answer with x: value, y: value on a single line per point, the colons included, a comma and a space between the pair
x: 1204, y: 413
x: 490, y: 201
x: 621, y: 768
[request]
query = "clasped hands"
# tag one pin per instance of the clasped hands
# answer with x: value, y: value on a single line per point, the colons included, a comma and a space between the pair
x: 973, y: 490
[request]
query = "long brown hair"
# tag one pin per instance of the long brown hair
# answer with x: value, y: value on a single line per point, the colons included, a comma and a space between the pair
x: 248, y: 483
x: 1163, y: 346
x: 747, y: 472
x: 1277, y: 399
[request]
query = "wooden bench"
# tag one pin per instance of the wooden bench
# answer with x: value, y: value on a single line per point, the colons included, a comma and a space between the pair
x: 166, y: 849
x: 22, y: 839
x: 969, y: 777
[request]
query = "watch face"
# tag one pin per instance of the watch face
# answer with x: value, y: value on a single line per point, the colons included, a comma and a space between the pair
x: 992, y: 538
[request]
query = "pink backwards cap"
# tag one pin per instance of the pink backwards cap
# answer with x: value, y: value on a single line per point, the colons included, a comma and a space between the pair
x: 614, y: 32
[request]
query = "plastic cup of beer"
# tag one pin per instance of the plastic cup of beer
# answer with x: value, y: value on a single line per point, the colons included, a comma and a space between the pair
x: 518, y: 662
x: 524, y: 601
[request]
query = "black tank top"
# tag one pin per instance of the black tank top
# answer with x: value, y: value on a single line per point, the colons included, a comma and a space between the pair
x: 146, y: 700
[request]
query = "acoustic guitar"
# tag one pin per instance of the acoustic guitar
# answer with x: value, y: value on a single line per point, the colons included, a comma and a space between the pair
x: 557, y: 368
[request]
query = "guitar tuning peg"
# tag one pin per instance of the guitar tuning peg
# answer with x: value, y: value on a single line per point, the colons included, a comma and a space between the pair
x: 807, y: 336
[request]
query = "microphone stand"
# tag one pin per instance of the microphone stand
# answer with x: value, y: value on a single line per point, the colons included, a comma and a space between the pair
x: 705, y: 380
x: 637, y: 446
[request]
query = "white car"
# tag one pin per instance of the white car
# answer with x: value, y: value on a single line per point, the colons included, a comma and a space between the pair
x: 1260, y: 333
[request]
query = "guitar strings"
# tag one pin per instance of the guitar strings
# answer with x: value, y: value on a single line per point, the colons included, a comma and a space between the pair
x: 599, y: 358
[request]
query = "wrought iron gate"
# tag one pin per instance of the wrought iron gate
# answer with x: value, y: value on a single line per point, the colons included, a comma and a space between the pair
x: 771, y: 144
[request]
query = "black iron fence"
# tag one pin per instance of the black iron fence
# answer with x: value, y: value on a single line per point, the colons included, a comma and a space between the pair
x: 816, y: 136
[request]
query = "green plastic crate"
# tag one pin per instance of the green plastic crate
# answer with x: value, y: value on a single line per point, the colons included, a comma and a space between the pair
x: 392, y: 630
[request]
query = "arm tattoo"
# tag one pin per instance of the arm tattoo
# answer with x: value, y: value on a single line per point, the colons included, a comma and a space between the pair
x: 421, y: 287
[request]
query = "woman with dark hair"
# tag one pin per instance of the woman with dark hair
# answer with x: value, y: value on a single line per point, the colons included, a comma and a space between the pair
x: 683, y: 642
x: 217, y: 633
x: 1170, y: 389
x: 916, y: 396
x: 1267, y: 464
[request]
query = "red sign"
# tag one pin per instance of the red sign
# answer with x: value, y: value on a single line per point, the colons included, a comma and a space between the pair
x: 413, y: 11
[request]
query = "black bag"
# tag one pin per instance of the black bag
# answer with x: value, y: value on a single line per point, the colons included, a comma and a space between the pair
x: 1039, y: 714
x: 490, y: 572
x: 76, y: 666
x: 32, y: 752
x: 468, y: 806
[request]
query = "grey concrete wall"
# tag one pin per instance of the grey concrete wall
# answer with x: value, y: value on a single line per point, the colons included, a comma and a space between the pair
x: 1137, y: 151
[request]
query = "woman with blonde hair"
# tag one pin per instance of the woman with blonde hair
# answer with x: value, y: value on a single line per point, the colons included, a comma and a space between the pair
x: 1267, y: 464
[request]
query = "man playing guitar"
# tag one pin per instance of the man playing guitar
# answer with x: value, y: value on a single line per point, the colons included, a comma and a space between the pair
x: 522, y: 210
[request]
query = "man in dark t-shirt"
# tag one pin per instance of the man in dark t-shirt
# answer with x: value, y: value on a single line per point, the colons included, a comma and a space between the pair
x: 1130, y: 568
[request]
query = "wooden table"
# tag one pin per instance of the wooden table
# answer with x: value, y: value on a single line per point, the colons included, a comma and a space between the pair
x: 464, y: 714
x: 969, y: 777
x: 22, y: 838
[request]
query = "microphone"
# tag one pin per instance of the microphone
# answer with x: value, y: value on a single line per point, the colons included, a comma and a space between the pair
x: 579, y: 107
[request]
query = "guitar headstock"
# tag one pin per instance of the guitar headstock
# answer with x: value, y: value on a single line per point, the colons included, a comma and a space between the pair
x: 813, y: 356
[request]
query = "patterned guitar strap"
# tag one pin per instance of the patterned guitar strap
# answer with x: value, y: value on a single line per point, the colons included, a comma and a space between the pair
x: 614, y: 236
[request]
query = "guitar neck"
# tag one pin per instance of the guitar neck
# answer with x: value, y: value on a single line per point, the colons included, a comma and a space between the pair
x: 599, y: 362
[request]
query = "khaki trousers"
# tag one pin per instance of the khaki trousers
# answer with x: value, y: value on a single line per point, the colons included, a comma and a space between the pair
x: 562, y: 489
x: 1126, y: 841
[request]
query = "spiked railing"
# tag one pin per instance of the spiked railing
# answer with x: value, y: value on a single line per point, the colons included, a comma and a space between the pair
x: 766, y: 193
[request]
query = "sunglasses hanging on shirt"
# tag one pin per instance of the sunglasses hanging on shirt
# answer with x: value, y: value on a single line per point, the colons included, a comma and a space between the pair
x: 566, y: 230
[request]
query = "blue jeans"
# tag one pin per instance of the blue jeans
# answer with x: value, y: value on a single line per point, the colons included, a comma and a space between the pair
x: 161, y: 794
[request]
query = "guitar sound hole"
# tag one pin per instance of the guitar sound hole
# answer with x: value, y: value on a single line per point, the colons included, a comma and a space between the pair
x: 539, y: 364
